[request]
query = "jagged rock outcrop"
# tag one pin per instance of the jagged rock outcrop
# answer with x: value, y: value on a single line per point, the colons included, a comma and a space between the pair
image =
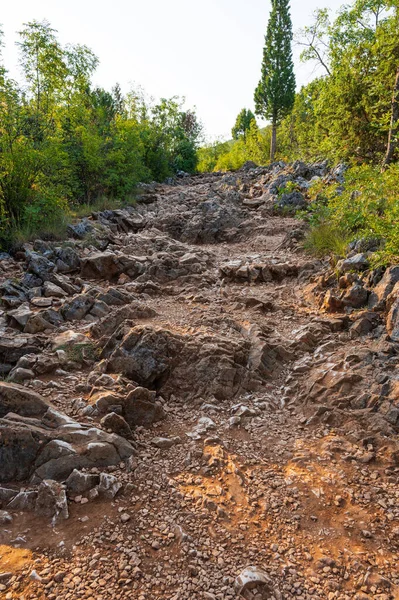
x: 38, y: 442
x: 192, y: 365
x: 259, y: 272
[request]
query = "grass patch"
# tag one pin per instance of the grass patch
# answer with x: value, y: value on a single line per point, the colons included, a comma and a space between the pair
x: 55, y: 227
x: 326, y: 238
x: 81, y: 352
x: 102, y: 203
x: 79, y: 211
x: 51, y: 231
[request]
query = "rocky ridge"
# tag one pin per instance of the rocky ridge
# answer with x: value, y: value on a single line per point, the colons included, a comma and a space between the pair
x: 192, y: 407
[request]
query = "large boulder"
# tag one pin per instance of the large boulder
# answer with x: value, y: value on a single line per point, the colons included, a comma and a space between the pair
x: 108, y: 265
x: 117, y: 424
x: 78, y: 482
x: 38, y: 323
x: 81, y: 229
x: 51, y: 501
x: 13, y: 294
x: 383, y: 289
x: 356, y: 296
x: 115, y: 317
x: 114, y: 297
x: 145, y: 355
x: 291, y: 202
x: 66, y: 259
x: 190, y: 366
x: 212, y: 220
x: 53, y: 291
x: 138, y: 407
x: 100, y: 265
x: 358, y: 262
x: 20, y: 400
x: 77, y: 308
x: 12, y: 347
x: 19, y: 445
x: 18, y: 317
x: 68, y: 338
x: 237, y: 270
x: 141, y: 407
x: 39, y: 265
x: 37, y: 441
x: 44, y: 269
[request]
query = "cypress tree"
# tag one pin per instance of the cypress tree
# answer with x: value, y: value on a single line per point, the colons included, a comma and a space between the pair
x: 275, y: 94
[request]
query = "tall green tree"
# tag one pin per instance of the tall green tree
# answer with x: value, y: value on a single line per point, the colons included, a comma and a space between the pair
x: 43, y: 63
x: 242, y: 124
x: 275, y: 94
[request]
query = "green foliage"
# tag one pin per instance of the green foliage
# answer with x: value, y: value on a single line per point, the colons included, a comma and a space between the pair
x: 79, y: 353
x: 208, y: 156
x: 288, y: 188
x: 275, y: 94
x: 301, y: 133
x: 343, y: 115
x: 366, y: 209
x: 242, y: 124
x: 314, y: 39
x: 102, y: 203
x: 324, y: 239
x: 325, y: 236
x: 65, y: 143
x: 346, y: 114
x: 229, y: 156
x: 170, y: 137
x: 48, y: 210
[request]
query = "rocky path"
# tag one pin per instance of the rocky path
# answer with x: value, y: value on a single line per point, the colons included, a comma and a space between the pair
x: 225, y: 407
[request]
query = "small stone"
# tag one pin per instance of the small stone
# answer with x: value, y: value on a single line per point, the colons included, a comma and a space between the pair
x: 5, y: 517
x: 125, y: 517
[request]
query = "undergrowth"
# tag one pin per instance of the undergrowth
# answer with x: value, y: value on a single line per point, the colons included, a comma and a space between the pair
x: 50, y: 231
x: 81, y: 352
x: 326, y: 239
x: 53, y: 226
x: 101, y: 204
x: 365, y: 208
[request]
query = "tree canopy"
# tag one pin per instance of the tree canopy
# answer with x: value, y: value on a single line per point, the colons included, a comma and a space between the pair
x: 64, y: 142
x: 242, y: 124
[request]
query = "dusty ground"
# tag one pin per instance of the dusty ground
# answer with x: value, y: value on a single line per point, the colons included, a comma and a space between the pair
x: 280, y: 490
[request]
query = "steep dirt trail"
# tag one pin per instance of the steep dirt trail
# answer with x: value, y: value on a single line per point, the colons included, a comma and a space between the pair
x: 267, y: 482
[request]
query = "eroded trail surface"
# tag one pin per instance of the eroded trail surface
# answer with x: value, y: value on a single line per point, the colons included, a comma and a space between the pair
x: 179, y: 369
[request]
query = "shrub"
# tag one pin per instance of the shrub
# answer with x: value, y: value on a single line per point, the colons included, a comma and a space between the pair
x: 366, y: 208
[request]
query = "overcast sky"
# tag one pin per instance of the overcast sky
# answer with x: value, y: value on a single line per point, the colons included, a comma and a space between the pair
x: 208, y: 51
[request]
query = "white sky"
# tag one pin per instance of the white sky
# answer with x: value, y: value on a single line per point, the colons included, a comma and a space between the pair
x: 208, y: 51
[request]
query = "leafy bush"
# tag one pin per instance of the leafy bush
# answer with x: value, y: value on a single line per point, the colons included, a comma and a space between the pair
x: 366, y: 208
x: 288, y: 188
x: 64, y: 143
x: 231, y: 155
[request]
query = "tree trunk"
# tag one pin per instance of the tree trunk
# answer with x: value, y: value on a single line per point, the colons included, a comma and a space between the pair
x: 394, y: 126
x: 273, y: 145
